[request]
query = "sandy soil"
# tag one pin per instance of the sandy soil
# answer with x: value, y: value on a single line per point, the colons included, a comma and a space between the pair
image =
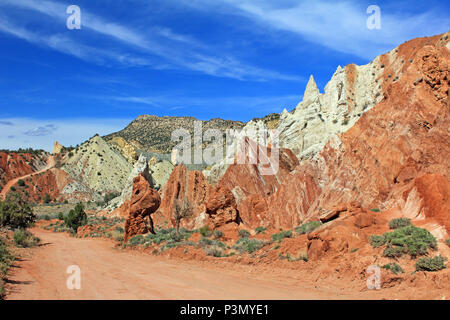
x: 110, y: 273
x: 50, y: 164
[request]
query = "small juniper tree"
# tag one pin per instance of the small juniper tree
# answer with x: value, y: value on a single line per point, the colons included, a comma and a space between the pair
x: 182, y: 209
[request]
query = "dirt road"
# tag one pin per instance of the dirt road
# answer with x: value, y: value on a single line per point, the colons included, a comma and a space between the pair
x: 50, y: 164
x: 110, y: 273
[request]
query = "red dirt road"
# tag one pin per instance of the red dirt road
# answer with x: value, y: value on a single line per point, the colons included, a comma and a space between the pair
x: 50, y: 164
x: 110, y: 273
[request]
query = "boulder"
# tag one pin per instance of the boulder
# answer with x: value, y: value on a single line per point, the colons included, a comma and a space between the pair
x: 144, y: 201
x: 221, y: 207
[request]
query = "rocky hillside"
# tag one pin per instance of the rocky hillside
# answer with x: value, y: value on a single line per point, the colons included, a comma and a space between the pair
x: 153, y: 134
x: 97, y: 166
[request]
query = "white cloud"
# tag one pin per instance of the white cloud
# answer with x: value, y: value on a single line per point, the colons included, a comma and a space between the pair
x: 340, y: 26
x: 175, y: 51
x: 44, y: 133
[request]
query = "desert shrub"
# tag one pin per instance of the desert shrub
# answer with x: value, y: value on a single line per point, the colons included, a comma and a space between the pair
x: 25, y: 239
x: 375, y: 210
x: 205, y: 232
x: 431, y: 264
x: 260, y: 230
x: 47, y: 217
x: 243, y: 233
x: 5, y: 258
x: 76, y: 217
x: 204, y: 241
x: 116, y: 235
x: 15, y: 212
x: 21, y: 183
x: 377, y: 241
x: 399, y: 223
x: 136, y: 240
x: 394, y: 267
x: 447, y: 242
x: 288, y: 257
x: 61, y: 216
x: 308, y: 227
x: 411, y: 240
x: 213, y: 251
x: 167, y: 235
x: 182, y: 209
x: 248, y: 245
x: 277, y: 237
x: 217, y: 234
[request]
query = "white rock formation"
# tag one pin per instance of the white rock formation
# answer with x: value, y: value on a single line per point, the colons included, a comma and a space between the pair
x: 141, y: 167
x: 351, y: 91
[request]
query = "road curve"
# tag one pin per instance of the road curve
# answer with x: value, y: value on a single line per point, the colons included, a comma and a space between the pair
x: 50, y: 164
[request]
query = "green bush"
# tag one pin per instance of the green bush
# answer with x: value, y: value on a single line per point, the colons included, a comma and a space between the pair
x: 61, y: 216
x: 21, y: 183
x: 136, y: 240
x: 167, y: 235
x: 394, y: 267
x: 411, y: 240
x: 260, y: 230
x: 394, y: 252
x: 217, y: 234
x: 5, y: 259
x: 205, y: 232
x: 243, y: 233
x: 377, y: 241
x: 308, y: 227
x: 447, y: 242
x: 15, y: 212
x: 399, y: 223
x: 248, y: 245
x: 76, y: 218
x: 277, y: 237
x: 204, y: 242
x: 431, y: 264
x: 375, y: 210
x: 25, y: 239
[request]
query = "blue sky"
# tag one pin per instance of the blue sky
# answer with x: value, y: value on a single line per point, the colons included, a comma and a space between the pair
x: 223, y: 58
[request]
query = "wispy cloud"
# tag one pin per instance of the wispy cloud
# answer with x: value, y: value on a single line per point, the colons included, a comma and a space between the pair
x: 158, y: 48
x: 41, y: 131
x: 6, y: 123
x: 340, y: 26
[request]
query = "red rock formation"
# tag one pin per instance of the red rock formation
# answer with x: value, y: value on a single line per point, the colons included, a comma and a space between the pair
x: 345, y: 232
x: 14, y: 165
x: 221, y: 207
x: 251, y: 185
x: 184, y: 184
x: 144, y: 201
x: 402, y: 138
